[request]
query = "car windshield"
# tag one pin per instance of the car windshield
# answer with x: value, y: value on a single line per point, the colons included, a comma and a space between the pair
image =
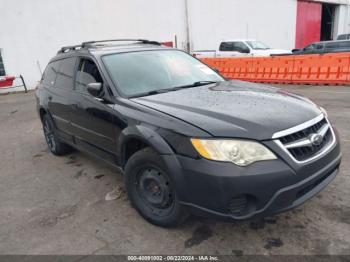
x: 257, y: 45
x: 147, y: 72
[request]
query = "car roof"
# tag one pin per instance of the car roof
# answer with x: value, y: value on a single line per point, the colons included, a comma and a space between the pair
x: 332, y: 41
x: 99, y: 48
x: 107, y: 49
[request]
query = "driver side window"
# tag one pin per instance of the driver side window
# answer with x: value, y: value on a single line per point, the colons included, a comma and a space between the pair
x: 87, y: 73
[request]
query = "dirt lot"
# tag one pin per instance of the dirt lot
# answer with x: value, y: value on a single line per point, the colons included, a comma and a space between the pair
x: 56, y: 205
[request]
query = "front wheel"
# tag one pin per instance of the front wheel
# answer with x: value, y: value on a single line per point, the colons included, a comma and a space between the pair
x: 151, y: 191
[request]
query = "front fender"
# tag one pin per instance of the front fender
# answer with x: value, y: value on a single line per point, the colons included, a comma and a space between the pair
x: 147, y: 135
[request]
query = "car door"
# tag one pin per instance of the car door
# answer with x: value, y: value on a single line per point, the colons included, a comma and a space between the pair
x: 58, y: 78
x: 92, y: 118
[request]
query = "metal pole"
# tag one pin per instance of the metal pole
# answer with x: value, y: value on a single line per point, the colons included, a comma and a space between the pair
x: 39, y: 67
x: 188, y: 37
x: 24, y: 84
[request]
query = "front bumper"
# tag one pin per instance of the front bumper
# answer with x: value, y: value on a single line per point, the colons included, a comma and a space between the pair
x: 226, y: 191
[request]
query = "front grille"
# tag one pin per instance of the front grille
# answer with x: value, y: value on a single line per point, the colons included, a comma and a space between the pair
x: 303, y: 133
x: 307, y: 150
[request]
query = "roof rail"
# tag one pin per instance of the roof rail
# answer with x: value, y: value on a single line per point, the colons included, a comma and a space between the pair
x: 91, y: 43
x: 143, y: 41
x: 68, y: 48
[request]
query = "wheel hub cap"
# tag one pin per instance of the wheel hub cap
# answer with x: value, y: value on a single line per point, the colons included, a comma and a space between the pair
x: 154, y: 188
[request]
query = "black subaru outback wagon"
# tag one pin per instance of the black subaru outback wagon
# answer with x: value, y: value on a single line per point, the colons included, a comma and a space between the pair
x: 188, y: 141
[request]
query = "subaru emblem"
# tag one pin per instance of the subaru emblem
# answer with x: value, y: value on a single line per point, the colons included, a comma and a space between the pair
x: 316, y: 139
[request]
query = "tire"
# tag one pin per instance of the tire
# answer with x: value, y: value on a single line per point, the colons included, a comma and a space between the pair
x: 150, y: 190
x: 56, y: 146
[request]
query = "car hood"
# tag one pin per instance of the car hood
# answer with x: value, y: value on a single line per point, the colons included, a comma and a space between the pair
x: 235, y: 109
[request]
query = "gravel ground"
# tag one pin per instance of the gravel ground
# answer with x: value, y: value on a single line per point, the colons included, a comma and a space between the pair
x: 56, y: 205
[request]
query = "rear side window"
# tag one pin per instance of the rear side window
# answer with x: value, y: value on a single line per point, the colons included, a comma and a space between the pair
x: 343, y: 37
x: 338, y: 45
x: 50, y: 73
x: 66, y: 73
x: 87, y: 73
x: 318, y: 46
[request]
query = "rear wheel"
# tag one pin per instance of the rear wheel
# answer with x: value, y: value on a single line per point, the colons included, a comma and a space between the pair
x: 151, y: 191
x: 55, y: 145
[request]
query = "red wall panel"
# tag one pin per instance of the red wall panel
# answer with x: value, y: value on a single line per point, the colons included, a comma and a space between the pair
x: 308, y: 29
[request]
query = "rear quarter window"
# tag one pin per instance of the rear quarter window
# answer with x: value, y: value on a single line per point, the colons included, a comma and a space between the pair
x: 50, y: 73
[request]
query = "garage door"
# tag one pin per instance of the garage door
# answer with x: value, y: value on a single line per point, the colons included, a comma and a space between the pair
x: 308, y: 29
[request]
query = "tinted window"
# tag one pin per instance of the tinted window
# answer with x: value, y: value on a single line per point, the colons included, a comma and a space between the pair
x: 137, y: 73
x: 226, y: 46
x: 338, y: 45
x: 343, y: 37
x: 65, y: 73
x: 239, y: 47
x: 87, y: 73
x: 319, y: 46
x: 50, y: 73
x: 233, y: 47
x: 314, y: 47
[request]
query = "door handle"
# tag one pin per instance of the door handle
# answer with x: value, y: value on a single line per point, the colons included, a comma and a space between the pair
x: 50, y: 98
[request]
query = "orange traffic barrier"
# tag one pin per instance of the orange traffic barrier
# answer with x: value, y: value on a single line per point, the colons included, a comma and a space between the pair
x: 273, y: 69
x: 236, y: 68
x: 327, y: 69
x: 322, y: 69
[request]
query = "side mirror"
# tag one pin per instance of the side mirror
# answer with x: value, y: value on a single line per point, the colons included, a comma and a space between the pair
x: 94, y: 89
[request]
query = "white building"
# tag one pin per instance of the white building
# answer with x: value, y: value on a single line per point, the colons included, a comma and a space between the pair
x: 32, y: 31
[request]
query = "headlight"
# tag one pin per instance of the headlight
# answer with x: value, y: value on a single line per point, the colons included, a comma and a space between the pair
x: 239, y: 152
x: 324, y: 111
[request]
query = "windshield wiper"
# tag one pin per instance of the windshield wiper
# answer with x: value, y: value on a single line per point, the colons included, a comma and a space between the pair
x: 198, y: 83
x: 165, y: 90
x: 153, y: 92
